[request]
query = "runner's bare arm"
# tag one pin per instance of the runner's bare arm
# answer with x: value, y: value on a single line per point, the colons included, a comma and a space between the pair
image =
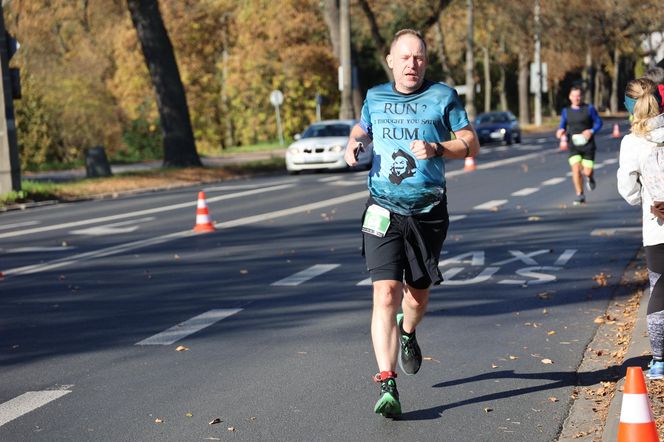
x: 466, y: 144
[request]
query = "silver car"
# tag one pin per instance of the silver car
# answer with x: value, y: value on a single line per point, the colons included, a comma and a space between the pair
x: 322, y: 146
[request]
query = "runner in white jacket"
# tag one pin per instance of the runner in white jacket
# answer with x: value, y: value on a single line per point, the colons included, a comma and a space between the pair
x: 641, y: 181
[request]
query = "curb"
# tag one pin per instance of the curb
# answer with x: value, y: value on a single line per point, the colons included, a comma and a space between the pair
x: 585, y: 421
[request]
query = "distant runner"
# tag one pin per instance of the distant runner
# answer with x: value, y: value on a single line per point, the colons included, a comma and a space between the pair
x: 580, y: 122
x: 405, y: 222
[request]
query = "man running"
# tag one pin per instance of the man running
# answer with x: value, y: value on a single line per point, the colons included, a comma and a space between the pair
x: 581, y: 122
x: 405, y: 223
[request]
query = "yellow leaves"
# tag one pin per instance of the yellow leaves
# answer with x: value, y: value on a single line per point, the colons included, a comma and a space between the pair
x: 547, y: 361
x: 181, y: 348
x: 215, y: 421
x: 602, y: 279
x: 158, y: 421
x: 551, y: 332
x: 553, y: 399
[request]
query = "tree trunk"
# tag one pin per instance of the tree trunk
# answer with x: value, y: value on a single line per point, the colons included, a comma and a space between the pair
x: 614, y: 80
x: 470, y: 63
x: 502, y: 82
x: 179, y: 145
x: 331, y: 16
x: 487, y: 79
x: 442, y: 54
x: 379, y: 41
x: 524, y: 113
x: 588, y: 77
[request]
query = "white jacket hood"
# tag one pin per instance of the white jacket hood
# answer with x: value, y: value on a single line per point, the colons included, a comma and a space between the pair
x: 656, y: 127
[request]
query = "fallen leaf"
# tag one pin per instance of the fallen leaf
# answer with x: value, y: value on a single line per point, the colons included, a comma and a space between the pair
x: 494, y: 366
x: 551, y: 332
x: 513, y: 357
x: 244, y: 272
x: 553, y: 399
x: 158, y: 421
x: 547, y: 361
x: 188, y: 415
x: 231, y: 428
x: 176, y: 256
x: 216, y: 420
x: 488, y: 410
x: 534, y: 218
x: 252, y: 418
x: 181, y: 348
x: 544, y: 295
x: 598, y: 320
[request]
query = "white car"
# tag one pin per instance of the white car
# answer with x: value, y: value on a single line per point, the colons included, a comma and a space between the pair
x: 322, y: 146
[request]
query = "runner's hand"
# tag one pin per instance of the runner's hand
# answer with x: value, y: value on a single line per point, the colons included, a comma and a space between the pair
x: 422, y: 150
x: 352, y: 153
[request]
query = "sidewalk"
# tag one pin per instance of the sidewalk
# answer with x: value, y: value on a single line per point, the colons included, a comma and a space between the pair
x: 74, y: 174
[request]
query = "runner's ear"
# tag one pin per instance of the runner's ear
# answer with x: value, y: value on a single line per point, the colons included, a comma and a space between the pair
x: 389, y: 60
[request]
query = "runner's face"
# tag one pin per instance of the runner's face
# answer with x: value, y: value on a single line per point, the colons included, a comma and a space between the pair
x: 408, y: 61
x: 575, y: 97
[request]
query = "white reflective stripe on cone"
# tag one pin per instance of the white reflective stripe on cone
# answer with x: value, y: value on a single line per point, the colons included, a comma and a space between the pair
x: 201, y: 204
x: 202, y: 219
x: 635, y: 409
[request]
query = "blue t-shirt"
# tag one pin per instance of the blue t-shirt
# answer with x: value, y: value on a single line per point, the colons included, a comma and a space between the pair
x: 398, y: 181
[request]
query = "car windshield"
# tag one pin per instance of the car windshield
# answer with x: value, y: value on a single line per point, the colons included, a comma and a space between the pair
x: 326, y: 130
x: 492, y: 118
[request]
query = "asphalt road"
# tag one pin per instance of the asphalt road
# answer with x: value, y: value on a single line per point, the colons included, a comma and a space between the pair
x: 274, y: 309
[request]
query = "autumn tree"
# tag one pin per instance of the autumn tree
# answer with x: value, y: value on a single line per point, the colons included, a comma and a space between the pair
x: 179, y: 145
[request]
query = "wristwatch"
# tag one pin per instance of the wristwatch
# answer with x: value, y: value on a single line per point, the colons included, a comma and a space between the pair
x: 439, y: 149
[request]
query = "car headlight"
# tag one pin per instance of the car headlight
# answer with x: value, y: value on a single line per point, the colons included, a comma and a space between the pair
x: 502, y: 131
x: 336, y: 149
x: 293, y: 150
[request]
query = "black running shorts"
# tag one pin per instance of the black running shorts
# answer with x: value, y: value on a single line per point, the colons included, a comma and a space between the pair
x: 391, y: 257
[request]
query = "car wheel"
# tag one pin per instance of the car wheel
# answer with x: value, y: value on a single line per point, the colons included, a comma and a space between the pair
x: 293, y: 172
x: 517, y: 139
x: 508, y: 139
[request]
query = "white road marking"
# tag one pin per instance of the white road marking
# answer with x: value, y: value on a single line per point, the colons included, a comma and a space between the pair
x: 349, y: 183
x: 553, y: 181
x: 489, y: 205
x: 525, y: 191
x: 457, y: 217
x: 306, y: 274
x: 541, y: 140
x: 28, y: 402
x: 121, y: 248
x: 565, y: 257
x: 21, y: 224
x: 610, y: 231
x: 190, y: 326
x: 328, y: 179
x: 611, y: 161
x: 37, y: 249
x: 102, y: 219
x: 365, y: 281
x: 112, y: 229
x: 246, y: 186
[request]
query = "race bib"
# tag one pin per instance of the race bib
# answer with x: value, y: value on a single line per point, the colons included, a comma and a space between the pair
x: 376, y: 221
x: 579, y: 140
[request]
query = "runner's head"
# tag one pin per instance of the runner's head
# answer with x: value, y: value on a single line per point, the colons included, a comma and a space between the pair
x: 408, y: 60
x: 575, y: 96
x: 642, y: 100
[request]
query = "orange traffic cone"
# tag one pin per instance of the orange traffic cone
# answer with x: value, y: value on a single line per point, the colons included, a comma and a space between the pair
x: 469, y: 164
x: 616, y: 131
x: 636, y: 422
x: 563, y: 142
x: 203, y: 222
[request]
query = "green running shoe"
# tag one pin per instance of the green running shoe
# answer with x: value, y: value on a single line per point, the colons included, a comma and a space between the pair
x: 410, y: 355
x: 388, y: 404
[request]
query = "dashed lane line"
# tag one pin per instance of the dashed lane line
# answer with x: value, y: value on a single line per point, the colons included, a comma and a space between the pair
x: 553, y: 181
x: 102, y: 219
x: 305, y: 275
x: 189, y: 327
x: 490, y: 205
x: 525, y: 191
x: 21, y: 224
x: 28, y: 402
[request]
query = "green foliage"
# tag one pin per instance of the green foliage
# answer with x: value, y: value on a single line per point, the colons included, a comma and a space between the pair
x: 38, y: 132
x: 143, y: 139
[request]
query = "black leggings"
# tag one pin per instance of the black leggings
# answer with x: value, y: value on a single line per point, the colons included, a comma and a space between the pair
x: 655, y: 318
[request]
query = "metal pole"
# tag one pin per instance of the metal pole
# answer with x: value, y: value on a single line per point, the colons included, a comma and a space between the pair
x: 281, y: 134
x: 538, y: 66
x: 10, y: 167
x: 346, y: 111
